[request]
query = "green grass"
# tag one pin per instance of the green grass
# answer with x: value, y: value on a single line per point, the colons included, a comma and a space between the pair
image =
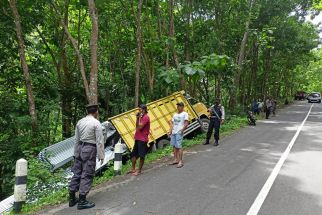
x: 60, y: 196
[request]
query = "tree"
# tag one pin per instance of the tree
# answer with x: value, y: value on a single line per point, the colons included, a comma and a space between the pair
x: 138, y: 53
x: 24, y: 65
x: 91, y: 85
x: 93, y: 44
x: 241, y: 56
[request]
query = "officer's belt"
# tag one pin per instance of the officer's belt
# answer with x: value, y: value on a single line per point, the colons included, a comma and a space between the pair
x: 214, y: 117
x: 85, y: 143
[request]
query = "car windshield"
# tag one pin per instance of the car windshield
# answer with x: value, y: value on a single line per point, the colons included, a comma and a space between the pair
x: 315, y: 95
x: 192, y: 101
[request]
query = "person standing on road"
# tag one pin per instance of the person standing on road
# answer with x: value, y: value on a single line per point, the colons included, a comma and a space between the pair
x: 255, y: 107
x: 260, y: 106
x: 141, y: 138
x: 178, y: 125
x: 89, y: 143
x: 269, y: 106
x: 217, y: 117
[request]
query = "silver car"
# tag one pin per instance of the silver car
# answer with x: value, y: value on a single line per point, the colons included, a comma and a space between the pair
x: 314, y: 97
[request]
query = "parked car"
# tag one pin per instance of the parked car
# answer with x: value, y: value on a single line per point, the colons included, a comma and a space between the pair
x: 314, y: 97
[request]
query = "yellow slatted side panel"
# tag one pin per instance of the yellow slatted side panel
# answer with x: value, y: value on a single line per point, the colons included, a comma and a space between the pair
x: 160, y: 113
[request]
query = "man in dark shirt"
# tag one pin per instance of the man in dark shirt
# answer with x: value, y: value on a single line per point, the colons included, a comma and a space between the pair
x: 217, y: 117
x: 141, y: 139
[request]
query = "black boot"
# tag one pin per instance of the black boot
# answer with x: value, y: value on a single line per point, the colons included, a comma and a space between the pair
x: 83, y: 203
x: 206, y: 143
x: 216, y: 143
x: 72, y: 199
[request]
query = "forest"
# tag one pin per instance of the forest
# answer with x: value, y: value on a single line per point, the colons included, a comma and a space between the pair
x: 59, y: 55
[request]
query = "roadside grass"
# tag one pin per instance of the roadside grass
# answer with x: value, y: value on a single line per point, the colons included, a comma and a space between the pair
x: 60, y: 196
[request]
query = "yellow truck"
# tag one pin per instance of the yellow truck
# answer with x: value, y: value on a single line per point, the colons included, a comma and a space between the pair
x: 160, y: 113
x: 122, y: 127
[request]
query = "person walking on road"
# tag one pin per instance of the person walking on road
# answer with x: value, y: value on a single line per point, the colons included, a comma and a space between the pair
x: 269, y: 106
x: 141, y: 138
x: 217, y: 117
x: 178, y: 125
x: 89, y: 143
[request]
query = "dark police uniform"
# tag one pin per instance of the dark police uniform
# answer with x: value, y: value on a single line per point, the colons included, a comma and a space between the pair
x: 217, y: 113
x: 89, y: 144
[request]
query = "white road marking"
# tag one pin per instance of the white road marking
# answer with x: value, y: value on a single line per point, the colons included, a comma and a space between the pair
x: 256, y: 206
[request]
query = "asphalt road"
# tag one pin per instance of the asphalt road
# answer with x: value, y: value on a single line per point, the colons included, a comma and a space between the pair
x: 226, y: 180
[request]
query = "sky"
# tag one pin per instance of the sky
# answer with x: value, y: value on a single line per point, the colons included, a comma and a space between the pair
x: 316, y: 21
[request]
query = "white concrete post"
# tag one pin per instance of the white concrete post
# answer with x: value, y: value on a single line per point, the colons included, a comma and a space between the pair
x: 118, y: 159
x: 20, y: 189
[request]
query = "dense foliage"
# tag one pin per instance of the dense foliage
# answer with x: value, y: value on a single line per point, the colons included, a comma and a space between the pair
x: 236, y: 49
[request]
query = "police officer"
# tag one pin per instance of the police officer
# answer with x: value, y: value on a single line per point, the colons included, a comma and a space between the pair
x: 217, y: 117
x: 89, y: 143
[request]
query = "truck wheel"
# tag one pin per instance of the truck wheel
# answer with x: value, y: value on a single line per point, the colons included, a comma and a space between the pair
x: 152, y: 147
x: 204, y: 125
x: 163, y: 143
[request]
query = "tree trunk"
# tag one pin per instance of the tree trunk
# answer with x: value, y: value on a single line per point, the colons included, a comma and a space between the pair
x: 80, y: 60
x: 241, y: 57
x: 93, y: 46
x: 187, y: 43
x: 267, y: 69
x: 148, y: 62
x: 138, y: 54
x: 218, y: 87
x: 255, y: 91
x: 66, y: 84
x: 24, y: 65
x: 91, y: 87
x: 157, y: 5
x: 66, y: 100
x: 172, y: 36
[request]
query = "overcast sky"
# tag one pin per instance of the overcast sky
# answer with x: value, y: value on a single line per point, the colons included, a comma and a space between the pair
x: 316, y: 20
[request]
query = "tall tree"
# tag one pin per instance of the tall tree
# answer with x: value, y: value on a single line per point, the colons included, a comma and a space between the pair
x: 241, y: 56
x: 173, y: 41
x: 91, y: 85
x: 93, y: 46
x: 24, y: 65
x: 138, y: 53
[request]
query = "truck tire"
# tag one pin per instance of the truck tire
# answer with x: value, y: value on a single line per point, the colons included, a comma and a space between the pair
x: 163, y: 143
x: 152, y: 148
x: 204, y: 125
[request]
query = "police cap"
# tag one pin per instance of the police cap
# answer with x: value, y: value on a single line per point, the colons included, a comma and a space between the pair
x: 92, y: 108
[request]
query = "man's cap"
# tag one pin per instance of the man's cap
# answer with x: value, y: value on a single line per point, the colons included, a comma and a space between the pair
x: 180, y: 104
x: 92, y: 108
x: 143, y: 106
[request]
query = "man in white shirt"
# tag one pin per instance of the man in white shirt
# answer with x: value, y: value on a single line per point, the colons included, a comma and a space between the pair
x: 260, y: 105
x: 178, y: 124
